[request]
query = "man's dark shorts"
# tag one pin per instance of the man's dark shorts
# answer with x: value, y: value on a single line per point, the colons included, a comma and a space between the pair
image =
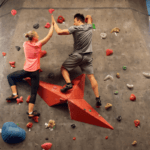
x: 84, y: 61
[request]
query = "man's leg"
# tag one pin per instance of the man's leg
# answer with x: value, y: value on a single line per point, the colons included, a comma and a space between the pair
x: 65, y: 74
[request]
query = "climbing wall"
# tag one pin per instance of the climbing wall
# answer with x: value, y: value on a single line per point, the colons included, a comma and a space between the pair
x: 130, y: 48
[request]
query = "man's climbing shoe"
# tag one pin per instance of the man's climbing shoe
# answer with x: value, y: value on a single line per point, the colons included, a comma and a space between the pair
x: 11, y: 98
x: 98, y: 102
x: 67, y: 87
x: 34, y: 113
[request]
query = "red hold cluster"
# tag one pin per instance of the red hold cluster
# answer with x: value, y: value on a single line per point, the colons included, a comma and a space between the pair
x: 43, y: 53
x: 29, y: 125
x: 46, y: 146
x: 60, y: 19
x: 132, y: 97
x: 51, y: 11
x: 28, y: 99
x: 3, y: 53
x: 19, y: 100
x: 47, y: 25
x: 109, y: 52
x: 137, y: 123
x: 12, y: 63
x: 13, y: 12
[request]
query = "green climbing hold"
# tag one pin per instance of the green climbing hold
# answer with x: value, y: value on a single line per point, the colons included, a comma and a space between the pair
x: 93, y: 26
x: 124, y: 67
x: 116, y: 92
x: 17, y: 124
x: 54, y: 127
x: 90, y: 110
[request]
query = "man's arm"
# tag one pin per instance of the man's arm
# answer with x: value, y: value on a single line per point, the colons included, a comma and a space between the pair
x: 89, y: 19
x: 58, y: 30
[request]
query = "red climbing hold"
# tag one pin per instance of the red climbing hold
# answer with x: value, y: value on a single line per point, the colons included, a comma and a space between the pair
x: 19, y: 100
x: 132, y: 97
x: 3, y: 53
x: 13, y: 66
x: 43, y: 53
x: 109, y: 52
x: 46, y: 146
x: 137, y: 123
x: 60, y: 19
x: 106, y: 137
x: 29, y: 125
x: 47, y: 25
x: 35, y: 118
x: 74, y: 138
x: 12, y: 62
x: 13, y: 12
x: 28, y: 99
x: 40, y: 70
x: 51, y: 11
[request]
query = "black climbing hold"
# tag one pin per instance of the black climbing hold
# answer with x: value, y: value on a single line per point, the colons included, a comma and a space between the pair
x: 18, y: 48
x: 36, y: 26
x: 46, y: 138
x: 51, y: 75
x: 119, y: 118
x: 73, y: 126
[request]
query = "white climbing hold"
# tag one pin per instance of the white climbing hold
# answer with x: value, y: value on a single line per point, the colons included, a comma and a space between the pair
x: 103, y: 35
x: 146, y: 74
x: 63, y: 22
x: 0, y: 130
x: 29, y: 129
x: 115, y: 33
x: 130, y: 86
x: 108, y: 77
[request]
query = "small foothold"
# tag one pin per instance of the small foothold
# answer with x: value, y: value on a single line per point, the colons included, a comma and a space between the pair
x: 0, y: 130
x: 109, y: 52
x: 108, y: 105
x: 51, y: 75
x: 146, y: 74
x: 132, y: 97
x: 47, y: 25
x: 134, y: 143
x: 116, y: 93
x: 124, y: 67
x: 19, y: 100
x: 36, y: 26
x: 130, y: 86
x: 51, y: 11
x: 108, y: 77
x: 13, y: 12
x: 46, y: 146
x: 3, y: 53
x: 51, y: 123
x: 17, y: 124
x: 137, y: 123
x: 60, y: 19
x: 29, y: 125
x: 118, y: 75
x: 18, y: 48
x: 74, y: 138
x: 119, y: 118
x: 93, y: 26
x: 115, y: 30
x: 90, y: 110
x: 103, y: 35
x: 106, y: 137
x: 73, y: 126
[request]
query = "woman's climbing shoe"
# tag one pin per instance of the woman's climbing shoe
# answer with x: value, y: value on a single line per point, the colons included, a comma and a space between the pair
x: 34, y: 113
x: 67, y: 87
x: 12, y: 97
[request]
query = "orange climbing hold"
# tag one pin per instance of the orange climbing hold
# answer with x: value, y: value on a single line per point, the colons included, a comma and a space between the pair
x: 43, y: 53
x: 47, y: 25
x: 106, y: 137
x: 28, y: 99
x: 134, y: 143
x: 137, y: 123
x: 29, y: 125
x: 60, y: 19
x: 132, y: 97
x: 108, y: 105
x: 4, y: 54
x: 46, y: 146
x: 51, y: 11
x: 19, y: 100
x: 13, y: 12
x: 109, y: 52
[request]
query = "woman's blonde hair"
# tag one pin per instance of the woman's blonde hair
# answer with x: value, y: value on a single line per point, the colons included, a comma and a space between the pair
x: 30, y: 35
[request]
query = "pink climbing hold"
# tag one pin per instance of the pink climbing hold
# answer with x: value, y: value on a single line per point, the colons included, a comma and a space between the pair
x: 13, y: 12
x: 4, y: 54
x: 51, y: 11
x: 19, y: 100
x: 46, y: 146
x: 47, y: 25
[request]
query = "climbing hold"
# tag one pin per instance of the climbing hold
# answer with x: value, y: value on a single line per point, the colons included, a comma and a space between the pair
x: 132, y: 97
x: 19, y: 100
x: 116, y: 93
x: 36, y: 26
x: 13, y: 12
x: 108, y: 105
x: 90, y: 110
x: 146, y: 74
x: 86, y: 20
x: 137, y: 123
x: 46, y: 146
x: 40, y: 70
x: 51, y: 75
x: 93, y: 26
x: 51, y: 124
x: 43, y: 53
x: 60, y: 19
x: 18, y: 48
x: 106, y: 137
x: 28, y: 99
x: 74, y: 138
x: 29, y: 125
x: 124, y: 67
x: 130, y: 86
x: 12, y: 134
x: 73, y: 126
x: 51, y: 11
x: 35, y: 118
x: 108, y: 77
x: 13, y: 66
x: 118, y: 75
x: 103, y: 35
x: 12, y: 62
x: 119, y: 118
x: 47, y: 25
x: 4, y: 54
x: 115, y: 30
x: 134, y: 143
x: 109, y: 52
x: 17, y: 124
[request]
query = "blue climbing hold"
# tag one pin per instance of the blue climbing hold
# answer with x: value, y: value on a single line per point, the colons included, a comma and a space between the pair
x: 12, y: 134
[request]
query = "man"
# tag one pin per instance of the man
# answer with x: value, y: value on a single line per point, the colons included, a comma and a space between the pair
x: 82, y: 54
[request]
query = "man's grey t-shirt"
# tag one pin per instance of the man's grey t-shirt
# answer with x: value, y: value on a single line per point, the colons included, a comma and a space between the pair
x: 82, y: 38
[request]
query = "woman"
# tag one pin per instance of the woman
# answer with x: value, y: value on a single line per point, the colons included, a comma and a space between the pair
x: 32, y: 50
